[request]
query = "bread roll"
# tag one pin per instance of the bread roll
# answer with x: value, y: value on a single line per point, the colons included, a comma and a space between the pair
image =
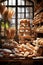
x: 23, y: 21
x: 28, y: 28
x: 26, y: 53
x: 38, y: 29
x: 21, y: 28
x: 40, y: 42
x: 26, y: 36
x: 31, y: 46
x: 28, y: 21
x: 22, y: 25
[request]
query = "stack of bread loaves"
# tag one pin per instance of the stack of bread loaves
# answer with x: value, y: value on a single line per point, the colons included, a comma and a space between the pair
x: 24, y: 31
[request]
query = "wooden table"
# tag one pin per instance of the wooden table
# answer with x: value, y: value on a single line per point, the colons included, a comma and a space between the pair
x: 21, y: 61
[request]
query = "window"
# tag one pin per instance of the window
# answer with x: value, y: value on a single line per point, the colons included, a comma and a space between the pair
x: 22, y: 8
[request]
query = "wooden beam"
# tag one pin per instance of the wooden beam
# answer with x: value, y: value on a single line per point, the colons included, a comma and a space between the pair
x: 2, y: 1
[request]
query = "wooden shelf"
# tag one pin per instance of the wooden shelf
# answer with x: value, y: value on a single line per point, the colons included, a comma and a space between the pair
x: 38, y: 11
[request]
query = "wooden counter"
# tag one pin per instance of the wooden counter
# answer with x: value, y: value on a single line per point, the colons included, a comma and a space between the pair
x: 22, y: 61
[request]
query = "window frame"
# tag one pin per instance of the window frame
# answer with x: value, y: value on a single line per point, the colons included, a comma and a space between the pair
x: 16, y: 6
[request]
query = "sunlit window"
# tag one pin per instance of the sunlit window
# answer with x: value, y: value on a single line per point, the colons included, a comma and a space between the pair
x: 22, y: 8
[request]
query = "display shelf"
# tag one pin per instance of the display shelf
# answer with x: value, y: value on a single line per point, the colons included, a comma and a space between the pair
x: 38, y: 11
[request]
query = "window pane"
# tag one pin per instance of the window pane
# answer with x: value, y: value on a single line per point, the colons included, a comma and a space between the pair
x: 21, y: 15
x: 27, y: 15
x: 12, y: 2
x: 28, y: 3
x: 23, y: 2
x: 31, y: 15
x: 12, y: 22
x: 31, y: 10
x: 20, y: 9
x: 20, y: 2
x: 31, y: 3
x: 27, y: 9
x: 9, y: 2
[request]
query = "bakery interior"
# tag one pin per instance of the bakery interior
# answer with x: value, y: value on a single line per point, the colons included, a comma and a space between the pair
x: 21, y: 32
